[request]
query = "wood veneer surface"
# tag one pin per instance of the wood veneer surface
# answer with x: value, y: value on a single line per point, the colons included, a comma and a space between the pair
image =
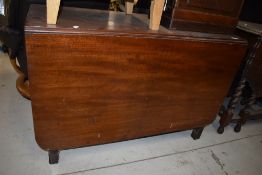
x: 103, y: 83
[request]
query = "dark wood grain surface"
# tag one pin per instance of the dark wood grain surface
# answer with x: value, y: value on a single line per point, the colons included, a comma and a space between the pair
x: 102, y: 85
x: 213, y: 16
x: 230, y: 8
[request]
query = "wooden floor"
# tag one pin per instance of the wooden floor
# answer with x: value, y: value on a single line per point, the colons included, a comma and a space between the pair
x: 171, y: 154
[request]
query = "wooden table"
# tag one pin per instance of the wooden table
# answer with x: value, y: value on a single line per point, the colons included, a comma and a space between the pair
x: 98, y: 77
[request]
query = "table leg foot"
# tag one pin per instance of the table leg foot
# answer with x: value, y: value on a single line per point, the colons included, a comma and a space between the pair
x: 196, y: 133
x: 220, y: 130
x: 238, y: 127
x: 53, y: 156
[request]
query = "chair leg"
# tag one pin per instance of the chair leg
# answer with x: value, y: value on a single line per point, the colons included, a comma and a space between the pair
x: 156, y: 11
x: 129, y: 7
x: 52, y: 10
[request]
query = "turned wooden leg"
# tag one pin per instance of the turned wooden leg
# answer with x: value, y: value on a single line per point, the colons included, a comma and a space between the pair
x: 227, y: 116
x: 244, y: 113
x: 196, y: 133
x: 156, y: 11
x: 52, y: 10
x: 222, y: 110
x: 247, y: 92
x: 22, y: 84
x: 53, y: 156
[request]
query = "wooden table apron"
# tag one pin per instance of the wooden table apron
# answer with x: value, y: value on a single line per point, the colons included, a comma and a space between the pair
x: 94, y: 89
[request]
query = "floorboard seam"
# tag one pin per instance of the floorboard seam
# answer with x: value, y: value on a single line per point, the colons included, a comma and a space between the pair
x: 161, y: 156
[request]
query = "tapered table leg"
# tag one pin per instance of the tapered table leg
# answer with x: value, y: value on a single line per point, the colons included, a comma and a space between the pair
x: 53, y: 156
x: 196, y: 133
